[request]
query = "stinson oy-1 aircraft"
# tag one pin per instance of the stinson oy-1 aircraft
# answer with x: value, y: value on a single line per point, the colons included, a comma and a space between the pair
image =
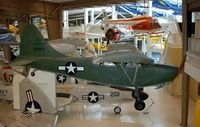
x: 122, y: 68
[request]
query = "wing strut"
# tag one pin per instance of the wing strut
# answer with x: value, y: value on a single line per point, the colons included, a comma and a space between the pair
x: 123, y: 69
x: 135, y: 75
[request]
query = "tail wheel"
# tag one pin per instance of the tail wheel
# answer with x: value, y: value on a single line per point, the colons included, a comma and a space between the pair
x: 139, y: 105
x: 33, y: 74
x: 117, y: 110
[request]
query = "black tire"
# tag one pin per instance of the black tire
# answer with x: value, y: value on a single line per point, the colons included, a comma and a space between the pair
x: 32, y: 73
x: 139, y: 105
x: 117, y: 110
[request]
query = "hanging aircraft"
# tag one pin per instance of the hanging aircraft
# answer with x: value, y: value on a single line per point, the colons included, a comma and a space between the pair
x: 122, y: 68
x: 141, y: 23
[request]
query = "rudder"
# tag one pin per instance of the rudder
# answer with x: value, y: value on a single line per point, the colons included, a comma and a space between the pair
x: 33, y: 44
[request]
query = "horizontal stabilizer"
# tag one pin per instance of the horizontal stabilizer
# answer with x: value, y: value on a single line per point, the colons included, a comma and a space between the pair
x: 22, y: 61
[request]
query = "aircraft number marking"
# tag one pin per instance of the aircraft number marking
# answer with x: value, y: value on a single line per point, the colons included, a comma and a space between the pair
x: 3, y: 92
x: 114, y: 94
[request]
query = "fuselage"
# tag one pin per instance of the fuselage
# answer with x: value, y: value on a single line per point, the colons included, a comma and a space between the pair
x: 110, y: 74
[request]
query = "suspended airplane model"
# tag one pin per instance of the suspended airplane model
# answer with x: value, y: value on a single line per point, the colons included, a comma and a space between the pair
x: 142, y: 23
x: 118, y: 68
x: 139, y: 23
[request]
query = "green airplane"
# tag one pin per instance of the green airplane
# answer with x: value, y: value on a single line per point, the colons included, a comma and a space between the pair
x: 125, y: 68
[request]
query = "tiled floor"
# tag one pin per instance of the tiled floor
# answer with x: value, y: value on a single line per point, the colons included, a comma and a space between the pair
x: 165, y: 112
x: 15, y: 118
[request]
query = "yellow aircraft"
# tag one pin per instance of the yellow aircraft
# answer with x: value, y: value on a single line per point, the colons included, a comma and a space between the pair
x: 13, y: 29
x: 102, y: 47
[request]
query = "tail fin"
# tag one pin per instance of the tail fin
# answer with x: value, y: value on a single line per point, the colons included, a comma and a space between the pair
x: 33, y: 44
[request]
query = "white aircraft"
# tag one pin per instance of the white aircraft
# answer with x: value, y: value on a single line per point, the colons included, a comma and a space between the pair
x: 72, y: 91
x: 92, y: 94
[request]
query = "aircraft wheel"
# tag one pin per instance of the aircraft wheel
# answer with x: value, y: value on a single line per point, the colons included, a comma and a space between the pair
x: 139, y: 105
x: 32, y: 73
x: 117, y: 110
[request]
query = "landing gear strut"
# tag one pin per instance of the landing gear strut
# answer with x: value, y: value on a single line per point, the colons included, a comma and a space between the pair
x: 140, y: 96
x: 117, y: 110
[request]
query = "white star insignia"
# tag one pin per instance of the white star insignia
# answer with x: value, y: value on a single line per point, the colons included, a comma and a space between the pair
x: 93, y: 97
x: 61, y: 78
x: 70, y: 68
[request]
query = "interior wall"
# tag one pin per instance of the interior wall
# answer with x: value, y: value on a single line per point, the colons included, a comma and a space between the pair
x: 51, y: 11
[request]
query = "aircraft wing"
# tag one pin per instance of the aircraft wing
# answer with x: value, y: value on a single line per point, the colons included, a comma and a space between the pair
x: 122, y: 46
x: 123, y: 56
x: 123, y: 52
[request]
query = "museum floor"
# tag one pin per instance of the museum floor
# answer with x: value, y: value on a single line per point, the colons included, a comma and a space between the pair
x: 165, y: 112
